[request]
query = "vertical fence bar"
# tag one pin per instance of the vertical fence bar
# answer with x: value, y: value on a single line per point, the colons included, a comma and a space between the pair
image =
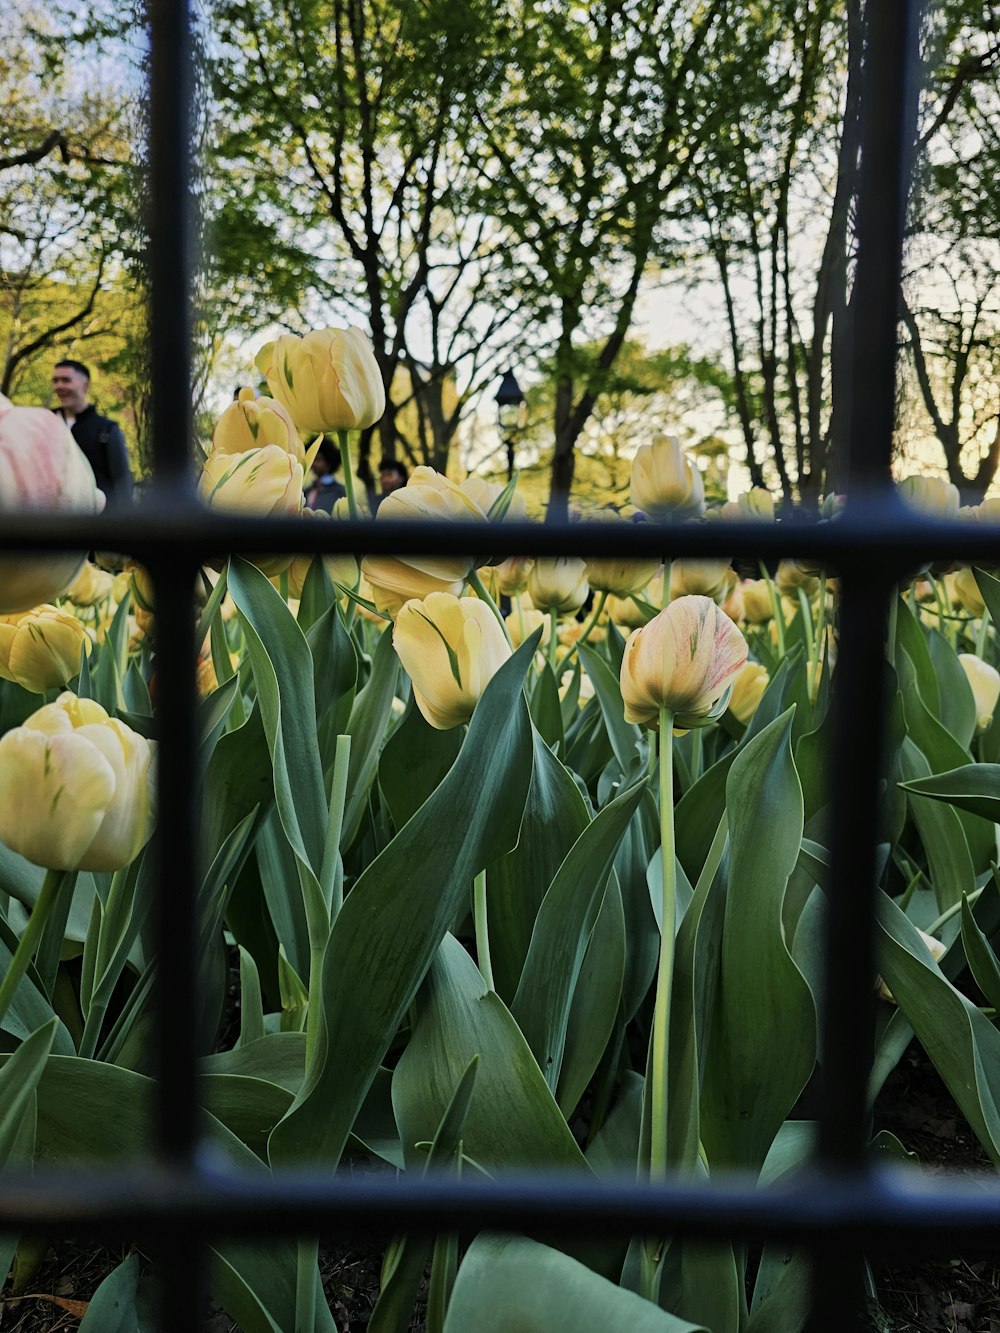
x: 180, y: 1258
x: 887, y: 123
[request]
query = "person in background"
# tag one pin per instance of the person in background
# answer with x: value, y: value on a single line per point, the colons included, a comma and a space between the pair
x: 324, y: 490
x: 100, y: 439
x: 392, y: 476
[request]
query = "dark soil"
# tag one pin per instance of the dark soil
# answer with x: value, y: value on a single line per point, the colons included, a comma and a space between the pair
x: 945, y: 1294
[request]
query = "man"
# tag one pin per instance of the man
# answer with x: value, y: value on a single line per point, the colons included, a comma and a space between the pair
x: 100, y: 438
x: 392, y: 476
x: 324, y: 489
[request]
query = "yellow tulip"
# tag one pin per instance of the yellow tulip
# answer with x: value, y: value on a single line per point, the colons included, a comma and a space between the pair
x: 41, y: 649
x: 755, y: 504
x: 665, y: 483
x: 985, y: 683
x: 394, y: 582
x: 511, y: 575
x: 451, y: 648
x: 701, y: 578
x: 329, y: 380
x: 623, y: 578
x: 684, y: 660
x: 41, y: 468
x: 265, y: 483
x: 485, y: 493
x: 76, y: 788
x: 91, y: 585
x: 624, y: 612
x: 931, y: 495
x: 794, y: 574
x: 251, y: 423
x: 558, y: 584
x: 522, y: 623
x: 748, y: 690
x: 757, y: 606
x: 967, y: 591
x: 342, y: 569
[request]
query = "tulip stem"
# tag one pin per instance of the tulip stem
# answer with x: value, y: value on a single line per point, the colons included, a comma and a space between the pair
x: 953, y: 910
x: 665, y: 970
x: 482, y: 929
x: 984, y: 626
x: 57, y: 883
x: 332, y: 882
x: 821, y: 618
x: 348, y: 470
x: 553, y: 640
x: 807, y: 625
x: 480, y: 589
x: 595, y: 615
x: 666, y: 583
x: 779, y: 619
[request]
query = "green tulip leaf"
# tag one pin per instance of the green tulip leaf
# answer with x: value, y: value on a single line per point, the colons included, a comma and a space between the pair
x: 508, y: 1282
x: 554, y: 817
x: 958, y: 706
x: 962, y: 1044
x: 563, y: 929
x: 513, y: 1119
x: 395, y: 916
x: 414, y: 762
x: 624, y: 736
x: 546, y: 709
x: 763, y: 1040
x: 949, y: 862
x: 982, y: 960
x: 971, y: 787
x: 114, y: 1306
x: 283, y: 672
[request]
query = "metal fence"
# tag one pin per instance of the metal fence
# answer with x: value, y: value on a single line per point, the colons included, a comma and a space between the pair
x: 843, y: 1206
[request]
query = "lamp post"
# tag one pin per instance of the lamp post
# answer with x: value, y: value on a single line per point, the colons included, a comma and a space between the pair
x: 511, y: 407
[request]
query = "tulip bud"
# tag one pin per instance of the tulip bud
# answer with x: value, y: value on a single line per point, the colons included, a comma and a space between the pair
x: 395, y: 582
x: 748, y: 689
x: 757, y: 606
x: 967, y: 592
x: 665, y: 483
x: 522, y: 623
x: 252, y: 423
x: 755, y: 504
x: 41, y: 468
x: 623, y: 578
x: 931, y: 495
x: 266, y: 483
x: 985, y: 683
x: 701, y: 578
x: 451, y: 648
x: 485, y: 494
x: 91, y: 585
x: 684, y: 660
x: 75, y: 788
x: 558, y: 584
x: 329, y: 380
x: 936, y: 948
x: 41, y: 649
x: 512, y: 574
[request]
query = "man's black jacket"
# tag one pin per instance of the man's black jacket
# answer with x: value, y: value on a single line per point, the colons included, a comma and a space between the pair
x: 103, y: 446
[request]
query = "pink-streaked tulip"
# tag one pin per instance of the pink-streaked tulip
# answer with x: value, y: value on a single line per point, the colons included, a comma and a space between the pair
x: 41, y: 468
x: 665, y: 483
x: 984, y: 681
x: 76, y: 788
x: 251, y: 423
x: 558, y: 584
x: 451, y: 647
x: 41, y: 649
x: 327, y: 381
x: 684, y: 660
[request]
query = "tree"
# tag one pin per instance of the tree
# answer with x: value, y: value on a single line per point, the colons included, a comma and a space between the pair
x: 340, y: 184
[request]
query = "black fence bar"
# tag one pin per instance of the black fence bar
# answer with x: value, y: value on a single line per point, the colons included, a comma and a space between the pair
x: 878, y: 533
x: 180, y: 1254
x: 891, y: 1210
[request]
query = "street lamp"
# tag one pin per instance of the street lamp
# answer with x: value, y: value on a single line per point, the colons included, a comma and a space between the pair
x: 511, y: 412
